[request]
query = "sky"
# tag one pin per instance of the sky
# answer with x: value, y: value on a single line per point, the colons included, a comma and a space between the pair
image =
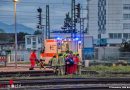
x: 27, y: 11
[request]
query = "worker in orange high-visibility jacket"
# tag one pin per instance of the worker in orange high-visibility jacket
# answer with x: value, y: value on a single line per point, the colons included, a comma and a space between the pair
x: 42, y: 55
x: 33, y: 58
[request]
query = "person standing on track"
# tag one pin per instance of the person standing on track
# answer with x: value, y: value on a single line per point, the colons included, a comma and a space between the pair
x: 54, y: 63
x: 79, y: 64
x: 33, y: 58
x: 61, y: 63
x: 69, y: 64
x: 42, y: 60
x: 76, y: 62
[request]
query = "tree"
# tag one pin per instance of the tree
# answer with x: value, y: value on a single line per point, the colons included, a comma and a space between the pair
x: 125, y: 46
x: 37, y: 32
x: 21, y: 36
x: 2, y: 31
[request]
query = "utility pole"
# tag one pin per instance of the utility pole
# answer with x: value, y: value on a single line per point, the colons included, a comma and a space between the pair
x: 82, y: 32
x: 78, y: 11
x: 101, y: 21
x: 87, y: 16
x: 15, y: 28
x: 73, y: 19
x: 40, y: 26
x: 47, y: 22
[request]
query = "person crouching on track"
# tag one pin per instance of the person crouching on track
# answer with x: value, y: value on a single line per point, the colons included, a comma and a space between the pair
x: 61, y: 64
x: 54, y: 63
x: 33, y: 58
x: 42, y: 60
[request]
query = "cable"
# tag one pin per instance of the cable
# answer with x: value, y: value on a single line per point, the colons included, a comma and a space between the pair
x: 32, y: 2
x: 23, y: 2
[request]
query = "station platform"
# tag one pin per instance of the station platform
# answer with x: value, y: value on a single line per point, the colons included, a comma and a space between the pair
x: 22, y: 70
x: 20, y: 67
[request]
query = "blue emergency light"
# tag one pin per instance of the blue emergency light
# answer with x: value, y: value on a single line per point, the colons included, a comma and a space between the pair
x: 77, y: 39
x: 58, y: 38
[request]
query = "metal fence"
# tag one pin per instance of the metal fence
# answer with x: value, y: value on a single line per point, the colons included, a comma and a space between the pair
x: 101, y: 55
x: 107, y: 55
x: 22, y: 56
x: 116, y: 56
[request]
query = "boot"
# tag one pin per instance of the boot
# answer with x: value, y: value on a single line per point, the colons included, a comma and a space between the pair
x: 31, y: 68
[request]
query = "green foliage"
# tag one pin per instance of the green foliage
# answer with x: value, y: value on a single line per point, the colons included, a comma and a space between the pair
x: 8, y: 51
x: 125, y: 46
x: 2, y: 31
x: 98, y: 68
x: 110, y: 68
x: 21, y: 36
x: 37, y: 32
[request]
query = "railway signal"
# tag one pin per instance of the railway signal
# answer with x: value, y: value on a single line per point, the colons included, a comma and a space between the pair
x: 77, y: 8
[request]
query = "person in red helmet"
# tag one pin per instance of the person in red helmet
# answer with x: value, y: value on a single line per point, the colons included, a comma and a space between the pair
x: 33, y: 58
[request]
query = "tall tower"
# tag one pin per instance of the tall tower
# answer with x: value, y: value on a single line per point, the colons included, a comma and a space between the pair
x: 47, y: 22
x: 39, y: 26
x: 101, y: 17
x: 73, y: 20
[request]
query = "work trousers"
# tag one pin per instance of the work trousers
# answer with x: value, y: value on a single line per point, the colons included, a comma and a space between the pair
x: 79, y: 69
x: 32, y: 63
x: 61, y: 70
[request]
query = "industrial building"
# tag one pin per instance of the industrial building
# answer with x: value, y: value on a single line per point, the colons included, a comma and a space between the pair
x: 109, y: 20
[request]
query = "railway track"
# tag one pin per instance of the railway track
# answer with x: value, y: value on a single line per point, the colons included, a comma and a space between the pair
x: 50, y: 73
x: 26, y: 73
x: 72, y: 83
x: 34, y: 73
x: 61, y: 83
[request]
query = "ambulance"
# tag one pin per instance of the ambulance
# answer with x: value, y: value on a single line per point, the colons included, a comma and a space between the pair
x: 55, y: 46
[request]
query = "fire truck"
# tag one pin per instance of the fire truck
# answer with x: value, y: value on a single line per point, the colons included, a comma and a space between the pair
x: 56, y: 46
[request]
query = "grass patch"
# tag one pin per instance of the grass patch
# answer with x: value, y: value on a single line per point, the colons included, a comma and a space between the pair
x: 99, y: 68
x: 45, y: 77
x: 109, y: 68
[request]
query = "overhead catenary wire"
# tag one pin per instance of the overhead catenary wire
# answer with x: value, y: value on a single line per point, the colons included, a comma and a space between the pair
x: 41, y: 3
x: 28, y: 16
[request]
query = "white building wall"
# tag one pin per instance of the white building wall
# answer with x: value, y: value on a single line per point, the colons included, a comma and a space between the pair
x: 114, y: 16
x: 114, y: 19
x: 31, y: 46
x: 126, y: 12
x: 93, y: 18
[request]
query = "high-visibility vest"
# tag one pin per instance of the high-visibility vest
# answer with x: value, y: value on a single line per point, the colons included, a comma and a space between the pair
x: 54, y: 61
x: 80, y: 62
x: 61, y: 61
